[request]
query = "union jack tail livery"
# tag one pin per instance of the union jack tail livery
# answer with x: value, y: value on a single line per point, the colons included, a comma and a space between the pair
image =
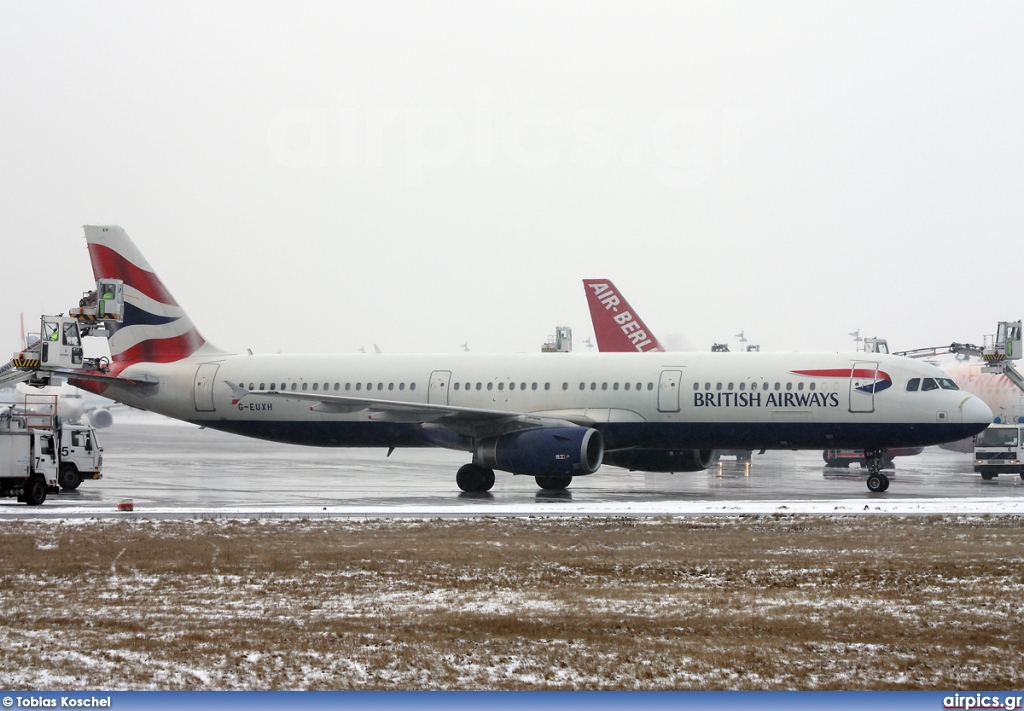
x: 154, y: 329
x: 617, y: 327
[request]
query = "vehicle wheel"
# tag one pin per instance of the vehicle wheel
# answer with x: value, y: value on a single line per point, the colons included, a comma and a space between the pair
x: 553, y: 483
x: 987, y: 476
x: 488, y: 479
x: 35, y: 491
x: 68, y: 477
x: 885, y: 482
x: 876, y: 482
x: 470, y: 478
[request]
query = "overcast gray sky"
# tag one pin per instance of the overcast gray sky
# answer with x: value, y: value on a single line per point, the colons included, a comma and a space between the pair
x: 320, y: 176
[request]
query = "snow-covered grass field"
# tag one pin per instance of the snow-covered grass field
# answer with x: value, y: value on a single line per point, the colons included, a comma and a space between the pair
x: 746, y: 602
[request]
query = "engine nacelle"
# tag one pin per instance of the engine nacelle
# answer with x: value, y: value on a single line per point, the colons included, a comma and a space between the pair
x: 101, y: 418
x: 661, y: 460
x: 547, y: 451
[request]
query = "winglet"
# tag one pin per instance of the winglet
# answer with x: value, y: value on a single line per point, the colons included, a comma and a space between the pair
x: 617, y: 327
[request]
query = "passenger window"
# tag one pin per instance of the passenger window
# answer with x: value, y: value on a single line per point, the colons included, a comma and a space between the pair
x: 730, y: 386
x: 929, y: 384
x: 604, y: 386
x: 501, y: 386
x: 490, y: 386
x: 583, y: 386
x: 522, y: 386
x: 412, y: 386
x: 359, y: 386
x: 789, y: 386
x: 348, y: 386
x: 511, y: 386
x: 478, y: 386
x: 534, y: 386
x: 391, y: 386
x: 718, y: 386
x: 743, y: 386
x: 593, y: 386
x: 778, y: 386
x: 799, y: 386
x: 456, y: 386
x: 650, y: 386
x: 305, y: 386
x: 695, y: 386
x: 316, y: 386
x: 913, y: 384
x: 811, y: 386
x: 615, y: 386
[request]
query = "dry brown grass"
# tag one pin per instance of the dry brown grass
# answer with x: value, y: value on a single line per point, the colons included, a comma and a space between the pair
x: 743, y: 603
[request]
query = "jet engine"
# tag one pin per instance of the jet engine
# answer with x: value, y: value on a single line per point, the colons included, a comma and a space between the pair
x: 100, y: 418
x: 547, y: 451
x: 661, y: 460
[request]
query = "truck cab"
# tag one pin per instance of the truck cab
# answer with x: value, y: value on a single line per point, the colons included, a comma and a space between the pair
x: 997, y: 450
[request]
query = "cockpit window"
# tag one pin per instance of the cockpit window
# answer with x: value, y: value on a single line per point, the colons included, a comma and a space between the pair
x: 913, y: 384
x: 929, y: 384
x: 947, y: 384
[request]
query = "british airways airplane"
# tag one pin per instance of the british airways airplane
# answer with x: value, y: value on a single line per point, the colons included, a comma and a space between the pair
x: 550, y: 417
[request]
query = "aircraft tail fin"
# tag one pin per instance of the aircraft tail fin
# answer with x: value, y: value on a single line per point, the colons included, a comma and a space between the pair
x: 154, y: 328
x: 616, y: 325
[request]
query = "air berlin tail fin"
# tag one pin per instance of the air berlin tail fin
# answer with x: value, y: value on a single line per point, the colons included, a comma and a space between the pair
x: 154, y: 328
x: 617, y: 327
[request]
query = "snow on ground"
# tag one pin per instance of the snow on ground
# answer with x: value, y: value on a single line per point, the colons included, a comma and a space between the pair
x: 843, y: 507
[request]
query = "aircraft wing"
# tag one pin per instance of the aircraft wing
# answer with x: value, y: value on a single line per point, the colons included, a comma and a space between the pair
x: 464, y: 421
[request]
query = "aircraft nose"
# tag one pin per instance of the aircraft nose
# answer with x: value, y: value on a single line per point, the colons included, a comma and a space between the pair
x: 974, y: 411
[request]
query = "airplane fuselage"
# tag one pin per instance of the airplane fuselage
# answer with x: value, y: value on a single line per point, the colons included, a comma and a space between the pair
x: 656, y: 400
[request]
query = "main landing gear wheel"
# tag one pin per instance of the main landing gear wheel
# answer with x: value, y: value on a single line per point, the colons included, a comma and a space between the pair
x: 474, y: 478
x: 553, y: 483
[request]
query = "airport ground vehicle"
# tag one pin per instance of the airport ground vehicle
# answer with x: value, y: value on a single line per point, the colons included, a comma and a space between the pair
x: 842, y: 458
x: 997, y: 450
x: 40, y: 456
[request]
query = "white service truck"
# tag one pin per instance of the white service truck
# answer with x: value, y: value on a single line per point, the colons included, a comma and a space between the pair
x: 36, y: 461
x: 997, y: 450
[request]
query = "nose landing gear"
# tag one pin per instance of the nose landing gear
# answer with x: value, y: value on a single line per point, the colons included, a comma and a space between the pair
x: 877, y: 481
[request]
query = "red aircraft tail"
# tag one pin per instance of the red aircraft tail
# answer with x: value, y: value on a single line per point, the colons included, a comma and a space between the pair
x: 617, y: 327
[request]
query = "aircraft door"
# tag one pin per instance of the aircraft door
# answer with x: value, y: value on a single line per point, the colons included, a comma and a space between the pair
x: 202, y: 388
x: 863, y: 380
x: 437, y: 391
x: 668, y: 390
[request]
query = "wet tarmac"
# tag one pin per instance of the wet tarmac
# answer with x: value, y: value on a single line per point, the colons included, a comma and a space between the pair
x: 159, y: 464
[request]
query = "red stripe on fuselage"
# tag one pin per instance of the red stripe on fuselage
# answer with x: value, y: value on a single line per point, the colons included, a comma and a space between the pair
x: 845, y: 373
x: 108, y: 264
